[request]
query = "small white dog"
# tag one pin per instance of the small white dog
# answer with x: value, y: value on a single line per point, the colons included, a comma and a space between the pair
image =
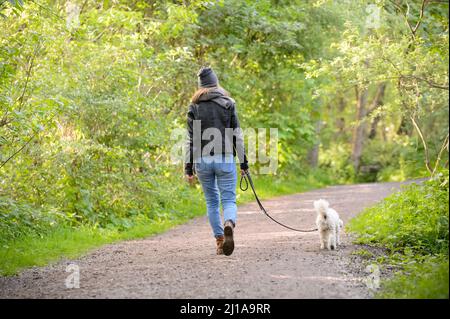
x: 329, y: 225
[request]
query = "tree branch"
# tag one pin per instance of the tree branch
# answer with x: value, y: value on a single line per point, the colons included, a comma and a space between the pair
x: 412, y: 29
x: 422, y: 10
x: 424, y: 143
x: 378, y: 99
x: 438, y: 159
x: 27, y: 80
x: 399, y: 77
x: 4, y: 121
x: 24, y: 145
x: 429, y: 82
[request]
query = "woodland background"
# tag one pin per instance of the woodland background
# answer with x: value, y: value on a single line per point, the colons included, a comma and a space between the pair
x: 91, y: 90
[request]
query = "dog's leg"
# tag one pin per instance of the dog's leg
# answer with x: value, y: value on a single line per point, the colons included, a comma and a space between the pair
x: 322, y: 240
x: 339, y: 229
x: 332, y: 239
x: 338, y: 236
x: 329, y: 238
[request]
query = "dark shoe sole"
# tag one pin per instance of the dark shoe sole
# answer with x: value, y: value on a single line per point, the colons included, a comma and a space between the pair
x: 228, y: 245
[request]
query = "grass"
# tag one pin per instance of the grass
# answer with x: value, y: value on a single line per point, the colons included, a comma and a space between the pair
x: 412, y: 225
x: 364, y: 253
x: 70, y: 243
x: 427, y: 279
x: 66, y: 242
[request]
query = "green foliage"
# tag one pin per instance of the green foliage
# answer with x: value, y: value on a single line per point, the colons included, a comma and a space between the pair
x: 416, y: 217
x: 70, y: 243
x: 88, y: 102
x: 424, y: 279
x: 15, y: 5
x: 336, y: 161
x: 28, y: 239
x: 397, y: 161
x: 414, y: 225
x: 20, y: 220
x: 407, y: 52
x: 94, y: 103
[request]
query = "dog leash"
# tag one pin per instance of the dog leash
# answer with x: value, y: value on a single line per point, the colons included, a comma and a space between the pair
x: 248, y: 180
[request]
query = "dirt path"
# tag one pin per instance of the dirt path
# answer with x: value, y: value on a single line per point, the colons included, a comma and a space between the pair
x: 268, y: 262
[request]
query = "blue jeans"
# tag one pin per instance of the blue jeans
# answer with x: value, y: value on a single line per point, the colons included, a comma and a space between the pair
x: 217, y: 174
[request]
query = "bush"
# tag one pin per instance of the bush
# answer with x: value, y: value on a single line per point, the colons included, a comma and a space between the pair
x: 19, y: 219
x: 419, y: 280
x: 414, y: 225
x: 336, y: 162
x: 396, y: 160
x: 416, y: 218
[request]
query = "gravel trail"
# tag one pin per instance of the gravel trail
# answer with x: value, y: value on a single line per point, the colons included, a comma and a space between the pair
x: 268, y: 262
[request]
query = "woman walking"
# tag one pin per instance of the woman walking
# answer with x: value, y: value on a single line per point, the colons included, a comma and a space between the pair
x: 214, y: 138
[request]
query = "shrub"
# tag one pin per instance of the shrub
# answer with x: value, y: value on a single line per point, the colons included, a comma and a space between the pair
x: 418, y: 280
x: 413, y: 224
x: 416, y: 217
x: 19, y: 219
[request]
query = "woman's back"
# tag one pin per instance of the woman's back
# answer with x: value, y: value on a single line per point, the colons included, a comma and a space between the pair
x: 216, y: 112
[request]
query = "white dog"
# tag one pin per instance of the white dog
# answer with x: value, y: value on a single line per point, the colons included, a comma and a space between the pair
x: 329, y: 225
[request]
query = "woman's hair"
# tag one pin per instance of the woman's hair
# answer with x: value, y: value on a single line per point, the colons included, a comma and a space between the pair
x: 200, y: 91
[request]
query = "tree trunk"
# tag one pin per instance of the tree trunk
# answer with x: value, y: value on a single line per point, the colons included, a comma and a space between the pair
x: 358, y: 132
x: 340, y: 121
x: 377, y: 102
x: 373, y: 127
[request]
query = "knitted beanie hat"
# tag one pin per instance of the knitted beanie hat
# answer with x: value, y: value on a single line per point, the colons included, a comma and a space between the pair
x: 207, y: 78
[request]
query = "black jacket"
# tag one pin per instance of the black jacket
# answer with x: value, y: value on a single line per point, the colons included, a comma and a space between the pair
x: 213, y: 115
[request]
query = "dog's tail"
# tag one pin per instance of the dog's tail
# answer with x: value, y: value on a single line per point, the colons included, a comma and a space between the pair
x: 321, y: 206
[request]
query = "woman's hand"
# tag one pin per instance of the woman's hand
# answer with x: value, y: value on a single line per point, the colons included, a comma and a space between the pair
x: 244, y: 172
x: 190, y: 179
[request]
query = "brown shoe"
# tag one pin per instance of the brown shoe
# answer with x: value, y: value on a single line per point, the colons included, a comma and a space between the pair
x: 219, y: 243
x: 228, y: 245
